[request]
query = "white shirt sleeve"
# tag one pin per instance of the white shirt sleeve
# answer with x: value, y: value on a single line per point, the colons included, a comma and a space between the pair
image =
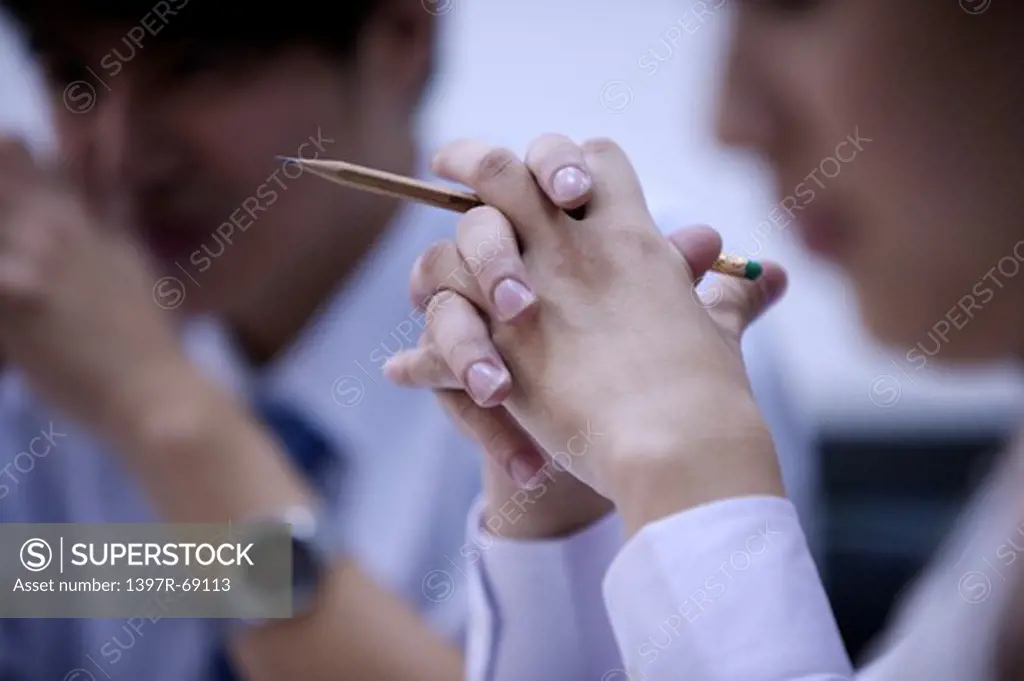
x: 535, y: 606
x: 723, y: 592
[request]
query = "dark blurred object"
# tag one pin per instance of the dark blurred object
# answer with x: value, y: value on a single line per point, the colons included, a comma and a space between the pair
x: 1009, y: 651
x: 203, y: 31
x: 888, y: 504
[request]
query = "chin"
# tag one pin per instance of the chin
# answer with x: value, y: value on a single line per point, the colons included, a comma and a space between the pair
x: 928, y: 335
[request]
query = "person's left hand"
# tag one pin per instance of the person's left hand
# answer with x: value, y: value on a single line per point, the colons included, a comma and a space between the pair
x: 77, y: 314
x: 557, y: 503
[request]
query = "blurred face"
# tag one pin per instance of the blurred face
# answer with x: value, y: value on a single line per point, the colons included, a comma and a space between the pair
x: 894, y: 130
x: 188, y: 142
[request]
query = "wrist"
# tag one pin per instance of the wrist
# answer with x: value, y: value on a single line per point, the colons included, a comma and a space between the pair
x: 199, y: 453
x: 558, y: 506
x: 168, y: 398
x: 652, y: 479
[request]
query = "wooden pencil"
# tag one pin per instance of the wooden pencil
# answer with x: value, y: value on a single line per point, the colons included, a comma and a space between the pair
x: 410, y: 189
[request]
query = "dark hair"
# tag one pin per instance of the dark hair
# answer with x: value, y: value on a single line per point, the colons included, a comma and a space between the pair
x: 210, y: 27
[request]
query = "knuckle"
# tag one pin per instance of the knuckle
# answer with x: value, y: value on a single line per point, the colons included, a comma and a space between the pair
x: 438, y: 303
x: 428, y: 362
x: 496, y: 164
x: 735, y: 310
x: 426, y: 275
x: 479, y: 218
x: 479, y: 226
x: 639, y: 242
x: 501, y: 445
x: 466, y: 348
x: 426, y: 370
x: 548, y: 139
x: 451, y: 151
x: 496, y: 267
x: 467, y: 412
x: 485, y: 230
x: 484, y: 430
x: 435, y: 259
x: 548, y: 145
x: 442, y: 374
x: 601, y: 145
x: 506, y: 337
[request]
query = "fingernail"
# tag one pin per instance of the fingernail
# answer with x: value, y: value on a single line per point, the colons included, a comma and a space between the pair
x: 484, y: 380
x: 511, y: 297
x: 570, y: 183
x: 523, y: 473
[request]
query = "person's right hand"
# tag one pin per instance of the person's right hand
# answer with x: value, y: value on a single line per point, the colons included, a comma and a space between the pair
x: 76, y: 300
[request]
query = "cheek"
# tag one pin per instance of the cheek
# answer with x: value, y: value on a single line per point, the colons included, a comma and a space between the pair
x: 927, y: 235
x: 934, y: 292
x: 934, y: 197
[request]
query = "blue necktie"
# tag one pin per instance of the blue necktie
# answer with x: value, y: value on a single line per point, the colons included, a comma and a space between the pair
x: 311, y: 454
x: 308, y: 449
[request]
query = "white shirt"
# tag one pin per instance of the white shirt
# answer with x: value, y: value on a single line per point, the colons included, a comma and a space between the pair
x: 728, y: 592
x: 408, y: 477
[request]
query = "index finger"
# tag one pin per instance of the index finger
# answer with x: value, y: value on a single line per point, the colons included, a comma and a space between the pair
x: 503, y: 181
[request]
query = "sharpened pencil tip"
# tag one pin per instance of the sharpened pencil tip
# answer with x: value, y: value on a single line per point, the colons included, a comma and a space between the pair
x: 288, y: 159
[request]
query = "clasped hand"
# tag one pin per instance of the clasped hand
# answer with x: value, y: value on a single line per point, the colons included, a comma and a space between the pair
x: 584, y: 336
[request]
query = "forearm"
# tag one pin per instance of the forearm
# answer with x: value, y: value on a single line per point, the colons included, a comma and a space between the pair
x: 202, y: 458
x: 200, y: 454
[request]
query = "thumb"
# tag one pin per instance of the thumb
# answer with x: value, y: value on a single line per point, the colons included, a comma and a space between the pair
x: 699, y: 246
x: 735, y: 303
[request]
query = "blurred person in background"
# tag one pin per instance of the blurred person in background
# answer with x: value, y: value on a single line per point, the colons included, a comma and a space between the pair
x: 704, y: 572
x: 284, y: 288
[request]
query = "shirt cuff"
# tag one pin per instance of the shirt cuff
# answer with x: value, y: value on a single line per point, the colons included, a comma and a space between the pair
x: 535, y: 606
x: 724, y: 592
